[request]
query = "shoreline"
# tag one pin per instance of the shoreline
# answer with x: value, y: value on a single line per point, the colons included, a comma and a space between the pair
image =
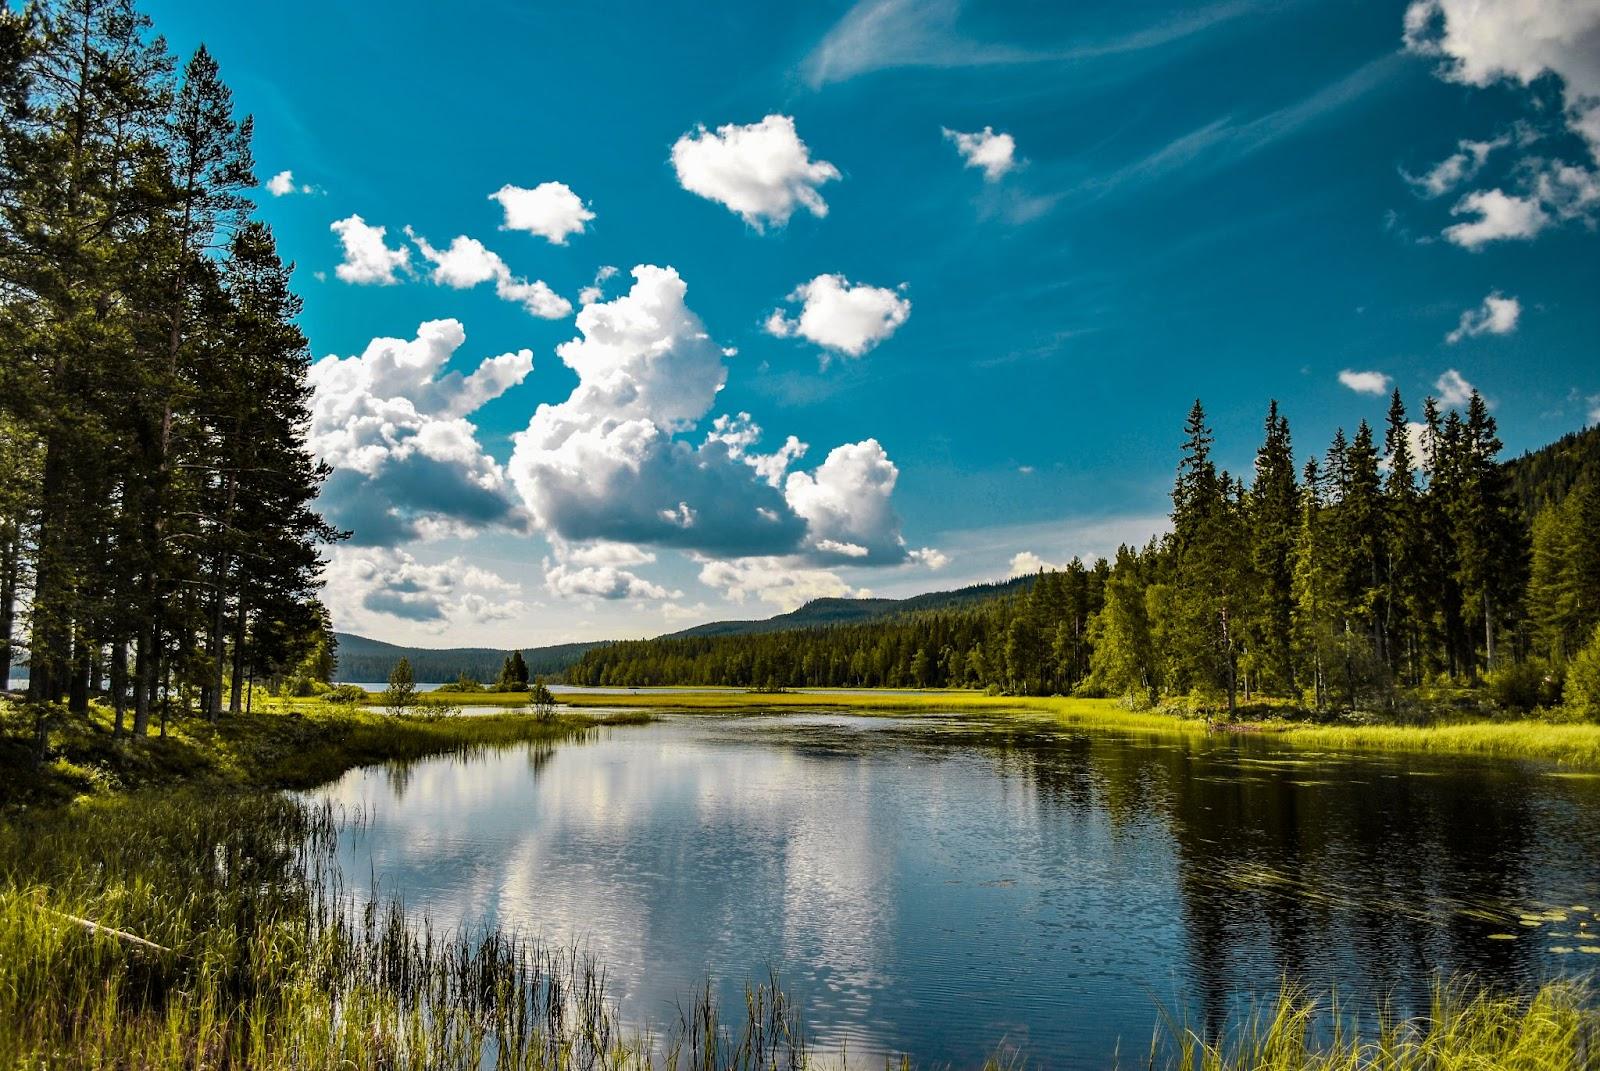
x: 1570, y: 745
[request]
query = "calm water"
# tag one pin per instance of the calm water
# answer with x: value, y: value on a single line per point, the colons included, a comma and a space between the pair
x: 941, y: 885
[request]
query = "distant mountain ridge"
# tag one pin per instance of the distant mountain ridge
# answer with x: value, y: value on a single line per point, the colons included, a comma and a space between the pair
x: 365, y: 660
x: 833, y: 611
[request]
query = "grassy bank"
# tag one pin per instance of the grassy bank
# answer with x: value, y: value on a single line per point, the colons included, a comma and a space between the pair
x: 1572, y: 745
x: 167, y: 930
x: 282, y: 744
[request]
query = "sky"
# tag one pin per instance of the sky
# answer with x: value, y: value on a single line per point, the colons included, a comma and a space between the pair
x: 636, y: 315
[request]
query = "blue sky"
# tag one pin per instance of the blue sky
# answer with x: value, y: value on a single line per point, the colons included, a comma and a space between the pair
x: 987, y: 341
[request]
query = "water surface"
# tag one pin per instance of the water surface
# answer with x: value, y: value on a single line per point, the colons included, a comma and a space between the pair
x: 943, y: 884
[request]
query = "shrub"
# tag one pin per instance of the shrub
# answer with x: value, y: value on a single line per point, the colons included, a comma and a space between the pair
x: 1524, y: 686
x: 1583, y: 680
x: 346, y: 694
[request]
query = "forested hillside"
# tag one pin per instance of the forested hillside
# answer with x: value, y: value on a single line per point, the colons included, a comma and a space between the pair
x: 156, y: 494
x: 363, y: 660
x: 1345, y: 581
x: 850, y: 611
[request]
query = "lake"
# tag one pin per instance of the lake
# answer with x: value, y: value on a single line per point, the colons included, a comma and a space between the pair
x: 940, y: 885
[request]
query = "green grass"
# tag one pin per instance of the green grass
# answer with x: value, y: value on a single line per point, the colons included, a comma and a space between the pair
x: 1573, y: 745
x: 1467, y: 1029
x: 282, y: 744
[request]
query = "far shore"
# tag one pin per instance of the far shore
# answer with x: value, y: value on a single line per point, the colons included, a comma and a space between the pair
x: 1573, y: 746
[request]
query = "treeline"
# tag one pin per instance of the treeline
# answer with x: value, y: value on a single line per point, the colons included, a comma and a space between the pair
x: 1375, y: 568
x: 157, y: 535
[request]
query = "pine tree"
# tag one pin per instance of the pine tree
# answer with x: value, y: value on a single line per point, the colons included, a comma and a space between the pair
x: 1274, y: 509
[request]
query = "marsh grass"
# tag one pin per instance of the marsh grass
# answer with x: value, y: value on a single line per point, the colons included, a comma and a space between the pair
x: 1467, y: 1028
x: 282, y: 744
x: 265, y: 963
x: 1573, y: 745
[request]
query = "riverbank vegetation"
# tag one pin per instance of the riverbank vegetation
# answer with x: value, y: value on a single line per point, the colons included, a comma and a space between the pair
x: 1572, y: 745
x: 168, y: 930
x: 284, y: 743
x: 1410, y: 580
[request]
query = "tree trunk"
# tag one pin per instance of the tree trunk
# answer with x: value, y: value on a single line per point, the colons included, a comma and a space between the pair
x: 237, y: 683
x: 10, y: 567
x: 144, y: 679
x: 119, y: 685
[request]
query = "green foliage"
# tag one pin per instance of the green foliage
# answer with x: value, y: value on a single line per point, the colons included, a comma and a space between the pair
x: 401, y: 694
x: 513, y: 674
x: 160, y: 495
x: 1582, y: 692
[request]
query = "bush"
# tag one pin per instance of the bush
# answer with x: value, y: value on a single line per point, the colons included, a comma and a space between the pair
x: 1524, y: 686
x: 465, y: 683
x: 346, y: 694
x: 1583, y: 680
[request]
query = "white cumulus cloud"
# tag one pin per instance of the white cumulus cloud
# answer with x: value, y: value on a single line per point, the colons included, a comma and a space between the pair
x: 613, y: 462
x: 1498, y: 315
x: 601, y: 582
x: 995, y: 153
x: 1484, y: 41
x: 407, y: 463
x: 365, y: 584
x: 840, y: 316
x: 783, y: 582
x: 1026, y: 563
x: 467, y: 262
x: 1499, y: 216
x: 367, y: 258
x: 1460, y: 166
x: 551, y: 210
x: 762, y: 171
x: 1453, y: 388
x: 1365, y: 382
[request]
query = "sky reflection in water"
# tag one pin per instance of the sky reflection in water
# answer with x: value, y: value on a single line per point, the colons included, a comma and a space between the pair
x: 942, y: 885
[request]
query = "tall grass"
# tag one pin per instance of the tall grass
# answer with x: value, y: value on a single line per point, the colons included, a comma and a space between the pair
x: 1467, y: 1029
x: 250, y: 956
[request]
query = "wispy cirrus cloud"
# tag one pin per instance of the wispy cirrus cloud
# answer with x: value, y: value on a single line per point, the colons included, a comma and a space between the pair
x: 877, y: 35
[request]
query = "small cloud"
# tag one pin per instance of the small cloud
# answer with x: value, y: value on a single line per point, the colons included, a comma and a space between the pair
x: 367, y: 259
x: 467, y: 262
x: 601, y: 582
x: 1461, y: 166
x: 1453, y: 388
x: 281, y: 184
x: 1026, y: 470
x: 841, y: 317
x: 1594, y: 408
x: 932, y: 558
x: 1365, y: 382
x: 762, y: 171
x: 1026, y: 563
x: 551, y: 210
x: 995, y: 153
x: 1498, y: 315
x: 1500, y: 217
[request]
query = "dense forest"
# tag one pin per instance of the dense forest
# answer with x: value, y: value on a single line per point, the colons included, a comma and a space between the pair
x: 157, y: 531
x: 1369, y: 572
